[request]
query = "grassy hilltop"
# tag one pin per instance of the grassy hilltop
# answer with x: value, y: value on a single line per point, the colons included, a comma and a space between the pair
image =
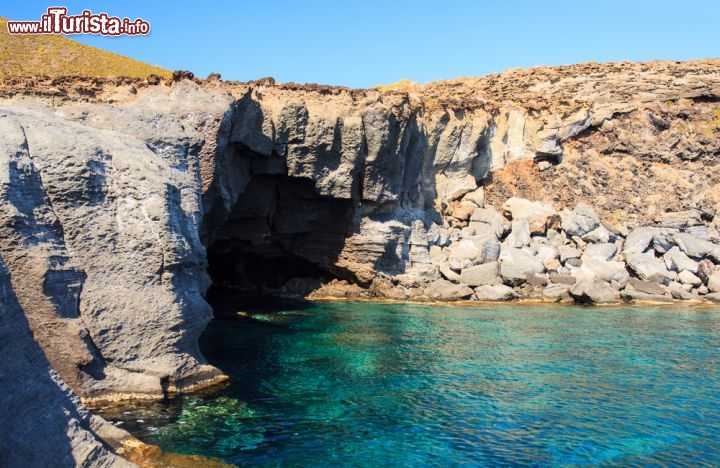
x: 31, y: 55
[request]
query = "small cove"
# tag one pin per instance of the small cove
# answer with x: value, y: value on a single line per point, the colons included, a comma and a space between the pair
x: 367, y: 384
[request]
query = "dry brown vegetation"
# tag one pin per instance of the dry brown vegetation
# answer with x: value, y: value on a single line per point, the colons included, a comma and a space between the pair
x: 34, y: 55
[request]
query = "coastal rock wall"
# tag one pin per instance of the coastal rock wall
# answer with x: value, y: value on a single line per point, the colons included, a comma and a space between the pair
x: 122, y: 201
x: 99, y: 224
x: 386, y: 184
x: 43, y: 422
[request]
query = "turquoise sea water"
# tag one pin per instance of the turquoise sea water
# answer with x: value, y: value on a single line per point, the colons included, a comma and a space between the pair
x: 328, y: 384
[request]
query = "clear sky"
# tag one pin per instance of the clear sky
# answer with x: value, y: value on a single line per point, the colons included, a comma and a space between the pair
x: 365, y: 43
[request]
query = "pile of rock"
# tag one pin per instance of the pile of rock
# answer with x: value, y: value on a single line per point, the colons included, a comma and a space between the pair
x: 530, y: 250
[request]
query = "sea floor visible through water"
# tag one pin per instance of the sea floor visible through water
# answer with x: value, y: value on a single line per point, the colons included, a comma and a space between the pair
x: 377, y: 384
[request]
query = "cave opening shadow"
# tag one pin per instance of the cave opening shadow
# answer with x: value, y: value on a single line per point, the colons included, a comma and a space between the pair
x: 281, y: 238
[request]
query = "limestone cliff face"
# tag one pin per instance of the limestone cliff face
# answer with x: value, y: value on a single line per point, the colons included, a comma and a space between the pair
x: 120, y: 203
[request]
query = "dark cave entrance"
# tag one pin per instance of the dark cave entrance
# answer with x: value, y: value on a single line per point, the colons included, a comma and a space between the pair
x: 240, y: 266
x: 280, y: 238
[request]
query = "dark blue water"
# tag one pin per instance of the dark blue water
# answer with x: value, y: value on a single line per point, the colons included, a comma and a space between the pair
x: 406, y: 385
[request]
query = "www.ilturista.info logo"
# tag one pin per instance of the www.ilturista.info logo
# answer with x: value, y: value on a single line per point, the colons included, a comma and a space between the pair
x: 57, y: 21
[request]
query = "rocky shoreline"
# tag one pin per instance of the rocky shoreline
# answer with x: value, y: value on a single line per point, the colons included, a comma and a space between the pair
x: 123, y: 201
x: 530, y: 251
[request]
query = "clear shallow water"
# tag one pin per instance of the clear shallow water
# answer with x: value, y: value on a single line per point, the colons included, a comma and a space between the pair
x: 406, y: 385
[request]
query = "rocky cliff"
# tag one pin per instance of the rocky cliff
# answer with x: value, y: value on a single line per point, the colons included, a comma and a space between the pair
x: 124, y: 200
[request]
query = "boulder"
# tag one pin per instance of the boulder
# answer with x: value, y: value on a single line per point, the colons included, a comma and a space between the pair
x: 580, y: 220
x: 639, y: 296
x: 444, y: 237
x: 600, y: 251
x: 463, y: 254
x: 438, y: 235
x: 575, y: 262
x: 341, y: 289
x: 640, y: 239
x: 679, y: 219
x: 712, y: 297
x: 521, y: 208
x: 566, y: 252
x: 687, y: 277
x: 539, y: 225
x: 461, y: 210
x: 467, y: 252
x: 516, y: 264
x: 594, y: 292
x: 529, y: 291
x: 437, y: 255
x: 600, y: 234
x: 498, y: 292
x: 662, y: 242
x: 489, y: 250
x: 703, y: 232
x: 478, y: 229
x: 555, y: 238
x: 558, y: 278
x: 681, y: 294
x: 454, y: 188
x: 540, y: 215
x: 705, y: 269
x: 490, y: 216
x: 481, y: 275
x: 603, y: 270
x: 647, y: 267
x: 547, y: 253
x: 696, y: 248
x: 647, y: 287
x: 477, y: 197
x: 713, y: 283
x: 678, y: 285
x: 553, y: 265
x: 534, y: 279
x: 579, y: 242
x: 448, y: 273
x: 446, y: 291
x: 676, y: 260
x: 556, y: 291
x: 519, y: 234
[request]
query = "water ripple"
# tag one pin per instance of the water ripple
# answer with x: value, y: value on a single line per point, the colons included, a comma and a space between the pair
x: 402, y: 385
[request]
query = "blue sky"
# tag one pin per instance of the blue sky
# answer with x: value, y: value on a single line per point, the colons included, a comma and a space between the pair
x: 362, y: 44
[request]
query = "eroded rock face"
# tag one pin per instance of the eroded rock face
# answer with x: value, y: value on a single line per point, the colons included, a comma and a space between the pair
x: 43, y: 422
x: 99, y: 228
x: 552, y: 183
